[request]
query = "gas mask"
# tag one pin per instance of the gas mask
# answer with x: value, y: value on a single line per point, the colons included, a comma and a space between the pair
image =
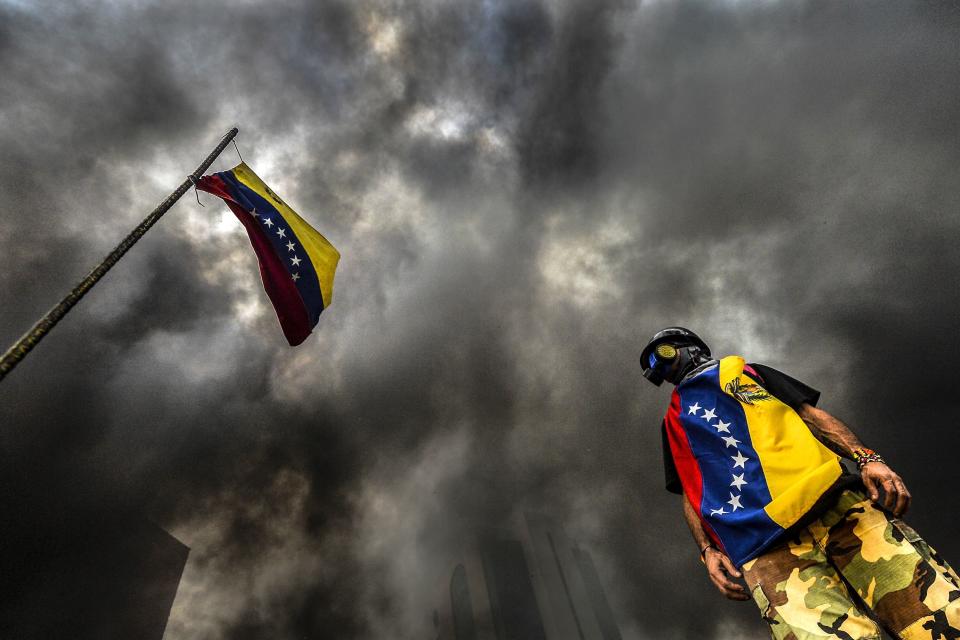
x: 671, y: 354
x: 672, y: 362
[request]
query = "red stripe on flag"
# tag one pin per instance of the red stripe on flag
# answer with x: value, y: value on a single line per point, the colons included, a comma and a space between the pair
x: 686, y: 463
x: 280, y: 287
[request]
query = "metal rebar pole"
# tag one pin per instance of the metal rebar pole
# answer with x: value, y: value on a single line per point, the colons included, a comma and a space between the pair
x: 25, y: 344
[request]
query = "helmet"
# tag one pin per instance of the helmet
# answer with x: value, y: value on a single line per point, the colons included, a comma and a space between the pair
x: 676, y: 337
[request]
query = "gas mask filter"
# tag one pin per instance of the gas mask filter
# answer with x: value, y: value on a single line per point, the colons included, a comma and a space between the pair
x: 661, y: 361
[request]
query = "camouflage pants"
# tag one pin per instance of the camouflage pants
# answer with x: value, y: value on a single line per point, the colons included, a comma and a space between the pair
x: 803, y: 585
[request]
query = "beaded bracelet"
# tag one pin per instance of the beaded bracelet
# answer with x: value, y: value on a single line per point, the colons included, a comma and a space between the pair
x: 865, y: 456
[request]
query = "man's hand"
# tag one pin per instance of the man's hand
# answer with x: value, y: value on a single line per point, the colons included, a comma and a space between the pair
x: 720, y: 568
x: 877, y: 478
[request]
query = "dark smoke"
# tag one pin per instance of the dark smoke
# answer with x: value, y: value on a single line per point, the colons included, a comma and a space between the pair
x: 522, y: 193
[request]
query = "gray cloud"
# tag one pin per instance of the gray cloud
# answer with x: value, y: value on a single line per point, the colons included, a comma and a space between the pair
x: 522, y: 192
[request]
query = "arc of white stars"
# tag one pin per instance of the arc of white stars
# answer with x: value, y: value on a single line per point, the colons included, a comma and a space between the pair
x: 731, y: 442
x: 254, y: 213
x: 282, y: 232
x: 296, y: 277
x: 718, y: 512
x: 290, y: 246
x: 709, y: 414
x: 694, y: 408
x: 739, y: 460
x: 734, y: 502
x: 268, y: 222
x: 738, y: 481
x: 722, y: 426
x: 296, y: 261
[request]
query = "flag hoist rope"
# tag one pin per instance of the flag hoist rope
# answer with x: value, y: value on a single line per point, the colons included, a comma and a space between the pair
x: 18, y: 351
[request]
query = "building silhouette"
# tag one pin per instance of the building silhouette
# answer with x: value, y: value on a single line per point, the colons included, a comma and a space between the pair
x: 84, y: 569
x: 528, y: 583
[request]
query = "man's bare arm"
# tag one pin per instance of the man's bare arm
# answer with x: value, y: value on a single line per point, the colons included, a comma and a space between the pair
x: 719, y: 566
x: 876, y: 475
x: 832, y: 432
x: 696, y: 527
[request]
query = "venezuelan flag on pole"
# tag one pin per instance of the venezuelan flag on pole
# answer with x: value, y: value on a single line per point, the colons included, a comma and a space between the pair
x: 297, y: 264
x: 747, y: 462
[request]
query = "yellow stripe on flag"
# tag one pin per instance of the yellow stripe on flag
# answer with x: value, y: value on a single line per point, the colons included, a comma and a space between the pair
x: 322, y: 254
x: 797, y: 467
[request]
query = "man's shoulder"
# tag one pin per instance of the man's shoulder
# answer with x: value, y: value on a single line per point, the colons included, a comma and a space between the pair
x: 782, y: 386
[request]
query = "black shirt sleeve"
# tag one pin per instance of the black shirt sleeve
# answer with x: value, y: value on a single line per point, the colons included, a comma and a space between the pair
x: 787, y: 390
x: 671, y: 477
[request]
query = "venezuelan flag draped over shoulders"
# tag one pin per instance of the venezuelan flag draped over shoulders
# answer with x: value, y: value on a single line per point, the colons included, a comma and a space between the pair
x: 748, y: 464
x: 297, y: 263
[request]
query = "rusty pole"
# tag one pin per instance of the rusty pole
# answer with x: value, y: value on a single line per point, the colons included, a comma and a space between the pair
x: 25, y: 344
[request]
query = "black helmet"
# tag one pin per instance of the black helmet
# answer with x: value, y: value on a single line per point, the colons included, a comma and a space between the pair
x: 675, y: 336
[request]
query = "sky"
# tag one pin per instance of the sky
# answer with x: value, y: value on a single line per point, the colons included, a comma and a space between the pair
x: 522, y: 192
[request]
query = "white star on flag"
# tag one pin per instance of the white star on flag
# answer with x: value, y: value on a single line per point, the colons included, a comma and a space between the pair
x: 738, y: 481
x: 718, y: 512
x: 296, y: 277
x: 254, y: 212
x: 290, y: 246
x: 722, y: 426
x: 296, y: 261
x: 694, y: 408
x: 739, y: 460
x: 282, y: 233
x: 731, y: 441
x: 709, y: 415
x: 734, y: 502
x: 268, y: 222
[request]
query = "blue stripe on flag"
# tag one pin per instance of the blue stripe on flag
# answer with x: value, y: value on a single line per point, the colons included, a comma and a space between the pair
x: 746, y: 529
x: 307, y: 283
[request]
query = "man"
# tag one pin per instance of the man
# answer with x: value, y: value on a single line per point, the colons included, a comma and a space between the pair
x: 765, y: 494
